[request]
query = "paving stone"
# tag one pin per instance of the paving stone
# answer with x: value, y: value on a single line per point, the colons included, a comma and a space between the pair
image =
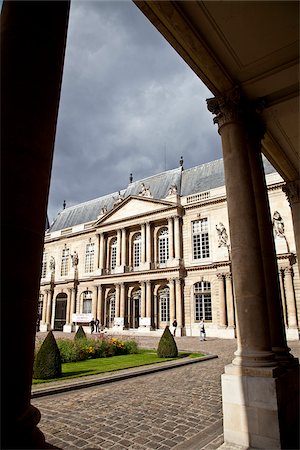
x: 141, y: 413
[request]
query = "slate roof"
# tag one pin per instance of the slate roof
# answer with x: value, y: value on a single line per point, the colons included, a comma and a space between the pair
x: 188, y: 181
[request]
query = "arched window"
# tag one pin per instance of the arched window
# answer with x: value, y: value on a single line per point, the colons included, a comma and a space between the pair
x: 112, y: 306
x: 164, y: 304
x: 113, y: 254
x: 137, y: 243
x: 202, y: 300
x: 87, y: 302
x: 163, y: 246
x: 65, y: 261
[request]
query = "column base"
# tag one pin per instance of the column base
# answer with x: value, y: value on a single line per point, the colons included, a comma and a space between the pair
x: 260, y: 407
x: 22, y: 432
x: 45, y: 327
x: 68, y: 328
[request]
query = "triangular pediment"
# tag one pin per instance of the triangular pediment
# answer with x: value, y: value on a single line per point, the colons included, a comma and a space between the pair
x: 132, y: 207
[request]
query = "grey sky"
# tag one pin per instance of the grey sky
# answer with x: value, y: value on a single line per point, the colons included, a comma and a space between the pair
x: 126, y: 97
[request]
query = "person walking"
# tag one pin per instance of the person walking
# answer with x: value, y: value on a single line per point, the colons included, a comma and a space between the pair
x: 174, y: 325
x: 92, y: 325
x: 202, y: 330
x: 97, y: 323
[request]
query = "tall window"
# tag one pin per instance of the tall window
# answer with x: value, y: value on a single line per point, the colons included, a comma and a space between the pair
x: 40, y: 307
x: 112, y: 307
x: 65, y: 262
x: 113, y: 254
x: 89, y: 257
x: 200, y: 239
x: 87, y: 302
x: 202, y: 300
x: 137, y: 242
x: 44, y: 265
x: 164, y: 301
x: 163, y: 246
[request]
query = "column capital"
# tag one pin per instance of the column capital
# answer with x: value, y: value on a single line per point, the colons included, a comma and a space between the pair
x: 231, y: 107
x: 220, y: 276
x: 292, y: 191
x: 228, y: 275
x: 288, y: 270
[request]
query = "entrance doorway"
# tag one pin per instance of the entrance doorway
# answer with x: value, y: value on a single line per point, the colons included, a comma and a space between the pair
x: 60, y: 312
x: 135, y: 312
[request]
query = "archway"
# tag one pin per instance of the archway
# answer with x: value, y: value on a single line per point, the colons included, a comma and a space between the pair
x: 60, y: 312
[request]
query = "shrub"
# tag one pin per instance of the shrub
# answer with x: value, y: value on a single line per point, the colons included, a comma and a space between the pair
x: 131, y: 347
x: 47, y: 363
x: 167, y: 347
x: 71, y: 351
x: 80, y: 334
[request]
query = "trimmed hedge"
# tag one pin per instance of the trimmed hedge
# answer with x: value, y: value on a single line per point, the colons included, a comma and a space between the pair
x: 167, y: 347
x: 47, y: 363
x: 80, y: 334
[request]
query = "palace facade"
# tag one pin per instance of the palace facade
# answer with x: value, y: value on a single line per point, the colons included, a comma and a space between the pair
x: 155, y: 251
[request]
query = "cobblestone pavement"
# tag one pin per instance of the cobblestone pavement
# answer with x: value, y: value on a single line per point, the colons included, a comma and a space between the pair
x: 178, y: 408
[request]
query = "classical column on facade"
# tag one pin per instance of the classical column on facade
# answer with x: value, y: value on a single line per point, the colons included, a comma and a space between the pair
x: 67, y: 328
x: 179, y: 305
x: 55, y: 294
x: 254, y: 363
x: 256, y: 131
x: 118, y: 259
x: 45, y: 298
x: 222, y: 302
x: 177, y: 238
x: 93, y: 289
x: 143, y: 243
x: 290, y: 300
x: 282, y: 293
x: 292, y: 191
x: 229, y: 300
x: 143, y: 299
x: 101, y: 252
x: 124, y: 247
x: 148, y: 244
x: 122, y: 301
x: 171, y: 237
x: 117, y: 299
x: 100, y: 305
x: 148, y: 304
x: 172, y: 300
x: 49, y: 309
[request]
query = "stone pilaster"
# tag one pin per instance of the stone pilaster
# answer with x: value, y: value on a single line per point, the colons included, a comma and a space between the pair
x: 48, y: 313
x: 101, y: 252
x: 282, y: 294
x: 143, y: 243
x: 222, y: 304
x: 117, y: 300
x: 143, y: 299
x: 177, y: 238
x: 118, y: 260
x: 148, y: 243
x: 100, y: 305
x: 179, y: 305
x: 45, y: 299
x: 124, y: 247
x: 94, y: 301
x: 229, y: 300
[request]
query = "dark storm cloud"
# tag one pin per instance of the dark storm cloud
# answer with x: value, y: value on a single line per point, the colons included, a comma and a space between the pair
x: 129, y: 103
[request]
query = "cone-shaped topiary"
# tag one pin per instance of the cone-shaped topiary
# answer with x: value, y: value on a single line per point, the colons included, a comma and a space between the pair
x: 80, y: 334
x: 167, y: 347
x: 47, y: 363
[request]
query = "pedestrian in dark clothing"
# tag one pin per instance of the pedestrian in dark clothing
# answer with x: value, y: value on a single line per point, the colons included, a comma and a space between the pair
x: 92, y: 324
x: 174, y: 325
x: 97, y: 323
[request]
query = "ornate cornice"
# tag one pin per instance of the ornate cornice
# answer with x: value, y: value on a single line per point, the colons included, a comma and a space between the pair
x: 292, y: 191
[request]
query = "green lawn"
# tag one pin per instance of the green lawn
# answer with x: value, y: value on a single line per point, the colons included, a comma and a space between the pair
x: 101, y: 365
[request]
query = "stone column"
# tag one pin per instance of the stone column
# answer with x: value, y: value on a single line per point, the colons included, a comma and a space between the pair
x: 171, y: 237
x: 118, y: 259
x: 123, y: 253
x: 33, y: 38
x: 148, y: 242
x: 100, y: 309
x: 94, y: 301
x: 179, y: 305
x: 172, y: 300
x: 292, y: 191
x: 117, y: 300
x: 49, y: 302
x: 143, y: 243
x: 143, y: 299
x: 229, y: 300
x: 69, y: 290
x: 101, y: 252
x: 122, y: 300
x: 269, y: 259
x: 290, y: 297
x: 177, y: 238
x: 148, y: 301
x: 281, y: 277
x: 73, y: 304
x: 222, y: 304
x: 45, y: 300
x: 254, y: 348
x: 53, y: 309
